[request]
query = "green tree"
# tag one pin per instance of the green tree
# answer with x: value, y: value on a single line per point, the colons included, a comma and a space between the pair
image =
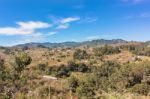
x: 143, y: 89
x: 86, y: 89
x: 73, y: 83
x: 2, y: 69
x: 62, y: 71
x: 80, y: 54
x: 22, y: 60
x: 41, y: 67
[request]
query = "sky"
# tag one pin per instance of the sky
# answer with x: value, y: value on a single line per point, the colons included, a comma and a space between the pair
x: 24, y: 21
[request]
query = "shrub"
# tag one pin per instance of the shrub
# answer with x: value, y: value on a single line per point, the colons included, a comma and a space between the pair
x: 62, y: 71
x: 107, y: 69
x: 2, y: 69
x: 80, y: 67
x: 86, y: 88
x: 106, y: 50
x: 41, y: 67
x: 73, y: 84
x: 143, y: 89
x: 80, y: 54
x: 22, y: 60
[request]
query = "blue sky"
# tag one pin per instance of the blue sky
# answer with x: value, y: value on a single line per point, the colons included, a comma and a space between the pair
x: 23, y: 21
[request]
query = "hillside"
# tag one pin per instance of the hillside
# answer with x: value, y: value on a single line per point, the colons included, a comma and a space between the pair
x: 118, y: 69
x: 74, y: 44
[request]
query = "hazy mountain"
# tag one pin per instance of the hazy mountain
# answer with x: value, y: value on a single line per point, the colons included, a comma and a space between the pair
x: 73, y: 44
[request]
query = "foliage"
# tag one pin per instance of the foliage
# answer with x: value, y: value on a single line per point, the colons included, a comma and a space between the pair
x: 106, y: 50
x: 22, y: 60
x: 143, y: 89
x: 106, y: 79
x: 73, y: 84
x: 80, y: 67
x: 80, y: 54
x: 86, y: 88
x: 2, y: 69
x: 62, y: 71
x: 65, y: 70
x: 138, y: 49
x: 41, y: 67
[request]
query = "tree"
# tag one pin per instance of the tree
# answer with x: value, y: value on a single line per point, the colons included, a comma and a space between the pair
x: 1, y: 63
x: 86, y: 89
x: 22, y: 60
x: 2, y: 69
x: 143, y: 89
x: 62, y: 71
x: 107, y: 69
x: 106, y: 50
x: 82, y: 67
x: 72, y: 66
x: 73, y: 84
x: 80, y: 54
x: 41, y: 67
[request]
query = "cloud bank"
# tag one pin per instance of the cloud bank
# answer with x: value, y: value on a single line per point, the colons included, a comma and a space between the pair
x: 24, y: 28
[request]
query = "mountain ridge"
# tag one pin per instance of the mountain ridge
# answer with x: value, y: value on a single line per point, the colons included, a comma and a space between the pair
x: 72, y: 43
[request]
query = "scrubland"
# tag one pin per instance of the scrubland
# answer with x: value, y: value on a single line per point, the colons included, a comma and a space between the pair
x: 100, y: 72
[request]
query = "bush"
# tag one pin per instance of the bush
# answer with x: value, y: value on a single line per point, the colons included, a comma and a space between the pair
x: 107, y: 69
x: 73, y: 84
x: 62, y: 71
x: 81, y: 67
x: 106, y: 50
x: 80, y: 54
x: 143, y: 89
x: 86, y: 88
x: 22, y: 60
x: 41, y: 67
x: 2, y: 69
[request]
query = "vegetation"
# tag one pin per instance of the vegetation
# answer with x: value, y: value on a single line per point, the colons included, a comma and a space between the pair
x: 101, y: 72
x: 106, y: 50
x: 80, y: 54
x: 22, y: 60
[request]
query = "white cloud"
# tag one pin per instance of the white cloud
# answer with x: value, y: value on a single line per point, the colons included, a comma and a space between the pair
x: 14, y: 31
x: 69, y: 19
x: 26, y: 32
x: 63, y: 26
x: 36, y: 37
x: 89, y: 20
x: 65, y: 22
x: 33, y: 25
x: 51, y: 33
x: 32, y: 38
x: 24, y: 28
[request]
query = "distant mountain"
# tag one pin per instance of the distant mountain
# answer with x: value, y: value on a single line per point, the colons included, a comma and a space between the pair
x: 103, y: 41
x: 47, y: 44
x: 147, y: 42
x: 73, y: 44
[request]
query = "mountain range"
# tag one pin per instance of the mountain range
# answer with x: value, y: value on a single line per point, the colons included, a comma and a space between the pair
x: 73, y: 44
